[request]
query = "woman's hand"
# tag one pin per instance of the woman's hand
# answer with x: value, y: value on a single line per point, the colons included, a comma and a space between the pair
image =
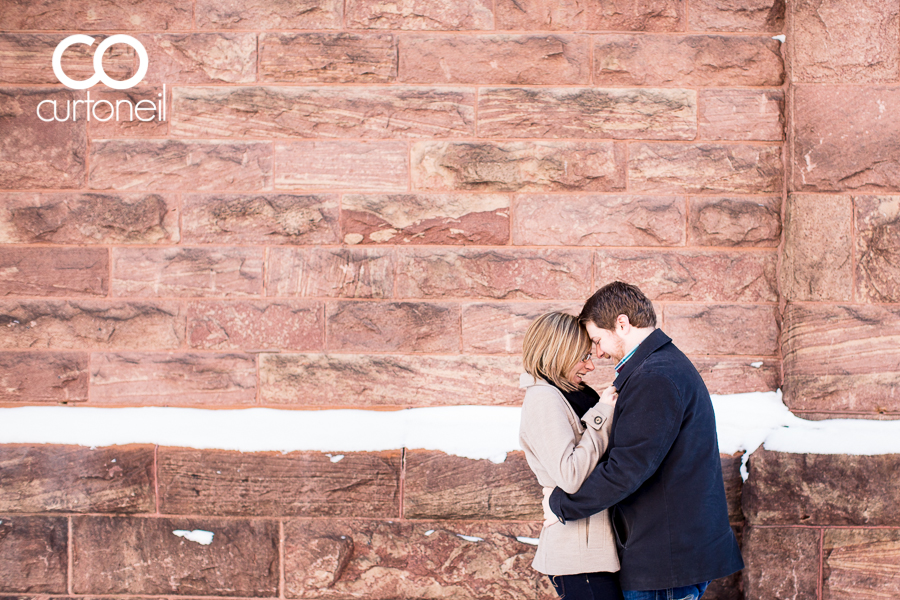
x: 609, y: 396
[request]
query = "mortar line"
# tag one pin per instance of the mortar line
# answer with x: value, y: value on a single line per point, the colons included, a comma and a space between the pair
x: 820, y: 584
x: 402, y: 480
x: 70, y: 566
x: 281, y: 592
x: 156, y: 477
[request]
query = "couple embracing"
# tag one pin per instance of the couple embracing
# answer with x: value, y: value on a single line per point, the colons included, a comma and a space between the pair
x: 634, y: 502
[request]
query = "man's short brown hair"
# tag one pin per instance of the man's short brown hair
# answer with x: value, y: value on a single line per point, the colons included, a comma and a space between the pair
x: 614, y: 299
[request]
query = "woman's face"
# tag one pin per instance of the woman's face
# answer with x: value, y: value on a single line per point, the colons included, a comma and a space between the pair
x: 581, y: 368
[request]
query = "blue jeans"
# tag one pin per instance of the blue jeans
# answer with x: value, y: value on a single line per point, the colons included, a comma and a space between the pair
x: 689, y: 592
x: 587, y: 586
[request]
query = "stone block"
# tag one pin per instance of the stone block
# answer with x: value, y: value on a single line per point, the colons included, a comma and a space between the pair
x: 660, y: 167
x: 694, y: 275
x: 861, y: 564
x: 388, y: 380
x: 687, y: 60
x: 832, y: 44
x: 740, y: 115
x: 269, y: 484
x: 268, y: 14
x: 54, y: 271
x: 260, y: 325
x: 187, y: 272
x: 723, y: 328
x: 145, y: 556
x: 877, y: 248
x: 39, y: 154
x: 444, y: 219
x: 25, y: 58
x: 635, y: 15
x: 440, y: 486
x: 361, y: 326
x: 200, y: 58
x: 383, y: 560
x: 734, y: 221
x: 725, y: 375
x: 94, y: 324
x: 841, y: 358
x: 54, y: 478
x: 125, y: 123
x: 344, y: 112
x: 420, y: 14
x: 519, y: 166
x: 781, y: 563
x: 327, y: 58
x: 731, y: 475
x: 105, y: 15
x: 588, y: 113
x: 555, y: 220
x: 353, y: 165
x: 818, y: 267
x: 736, y: 15
x: 170, y: 165
x: 88, y: 218
x: 495, y: 59
x: 43, y: 377
x: 499, y: 327
x: 822, y: 489
x: 541, y: 15
x: 33, y: 554
x: 330, y: 272
x: 499, y: 274
x: 170, y: 379
x: 264, y: 219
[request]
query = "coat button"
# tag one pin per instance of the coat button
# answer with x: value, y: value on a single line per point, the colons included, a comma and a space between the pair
x: 598, y: 420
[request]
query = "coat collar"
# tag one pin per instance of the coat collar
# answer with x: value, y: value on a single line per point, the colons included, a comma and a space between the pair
x: 653, y: 342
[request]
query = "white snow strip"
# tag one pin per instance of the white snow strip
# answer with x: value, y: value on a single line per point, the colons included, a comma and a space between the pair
x: 528, y: 540
x: 429, y: 532
x: 470, y: 538
x: 781, y: 38
x: 756, y: 364
x: 204, y: 538
x: 336, y: 457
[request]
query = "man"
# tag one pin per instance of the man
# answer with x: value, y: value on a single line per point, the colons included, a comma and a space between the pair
x: 662, y: 475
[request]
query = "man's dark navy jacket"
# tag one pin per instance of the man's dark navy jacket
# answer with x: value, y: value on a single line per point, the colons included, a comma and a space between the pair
x: 661, y: 475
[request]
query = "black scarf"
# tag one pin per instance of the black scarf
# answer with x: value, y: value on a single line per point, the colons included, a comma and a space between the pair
x: 580, y: 400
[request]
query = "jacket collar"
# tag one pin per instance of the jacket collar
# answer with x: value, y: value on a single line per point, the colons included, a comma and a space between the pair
x: 653, y: 342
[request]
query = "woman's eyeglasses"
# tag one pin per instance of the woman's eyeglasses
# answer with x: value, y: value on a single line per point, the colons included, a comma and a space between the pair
x: 587, y: 357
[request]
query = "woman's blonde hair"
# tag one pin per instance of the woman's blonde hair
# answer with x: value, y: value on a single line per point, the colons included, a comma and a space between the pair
x: 554, y: 343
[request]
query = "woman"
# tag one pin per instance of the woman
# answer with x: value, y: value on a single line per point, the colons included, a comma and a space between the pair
x: 564, y: 432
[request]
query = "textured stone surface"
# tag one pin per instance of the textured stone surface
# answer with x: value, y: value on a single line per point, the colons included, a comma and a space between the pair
x: 165, y: 165
x: 878, y: 248
x: 36, y: 154
x: 260, y: 219
x: 493, y: 273
x: 833, y: 44
x: 25, y: 58
x: 825, y: 118
x: 143, y: 556
x: 635, y: 15
x: 54, y: 478
x: 363, y: 166
x: 818, y: 267
x: 439, y: 486
x: 54, y: 271
x: 126, y: 124
x: 518, y: 166
x: 276, y: 112
x: 260, y: 325
x: 130, y: 15
x: 420, y: 14
x: 741, y: 115
x: 88, y: 218
x: 327, y: 58
x: 495, y: 59
x: 704, y: 167
x: 330, y: 272
x: 43, y: 377
x: 425, y: 219
x: 687, y: 60
x: 737, y: 15
x: 696, y: 276
x: 731, y: 475
x: 841, y: 358
x: 173, y: 379
x: 750, y: 221
x: 660, y: 114
x: 499, y: 327
x: 382, y: 560
x: 781, y: 563
x: 723, y: 329
x: 542, y: 15
x: 303, y: 484
x: 268, y: 14
x: 724, y: 375
x: 836, y: 489
x: 390, y: 380
x: 200, y: 58
x: 33, y: 555
x: 187, y: 272
x: 392, y: 326
x: 598, y: 220
x: 861, y: 564
x: 81, y: 324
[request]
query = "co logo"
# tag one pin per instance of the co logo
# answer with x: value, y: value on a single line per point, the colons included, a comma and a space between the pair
x: 99, y: 73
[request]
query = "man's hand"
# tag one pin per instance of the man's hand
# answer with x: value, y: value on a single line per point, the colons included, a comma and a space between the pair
x: 549, y: 517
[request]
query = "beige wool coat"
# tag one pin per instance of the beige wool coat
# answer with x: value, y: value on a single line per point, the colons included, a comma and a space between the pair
x: 562, y: 451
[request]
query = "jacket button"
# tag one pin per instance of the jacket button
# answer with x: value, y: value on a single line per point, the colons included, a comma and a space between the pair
x: 598, y: 420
